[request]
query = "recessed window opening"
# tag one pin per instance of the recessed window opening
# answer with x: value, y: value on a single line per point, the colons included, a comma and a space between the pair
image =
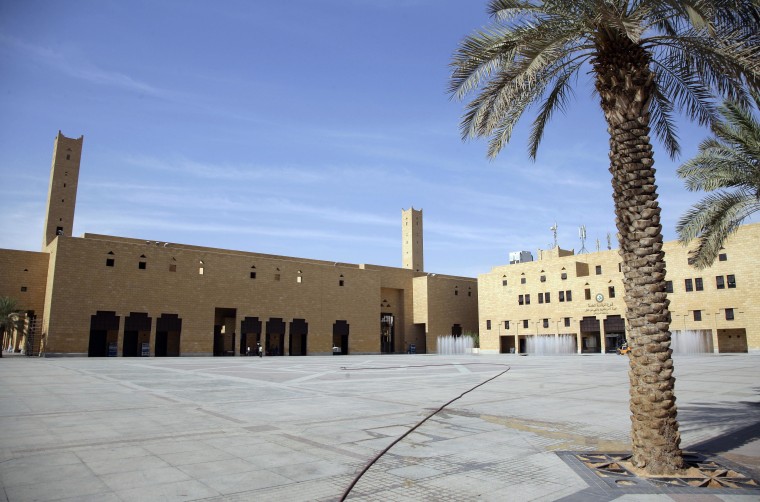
x: 731, y: 280
x: 110, y: 262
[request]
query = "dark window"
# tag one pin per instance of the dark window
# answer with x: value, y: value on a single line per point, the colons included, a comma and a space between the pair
x: 540, y: 298
x: 561, y: 296
x: 527, y: 299
x: 68, y: 156
x: 23, y: 289
x: 341, y: 282
x: 522, y: 280
x: 598, y: 270
x: 563, y: 276
x: 172, y: 268
x: 276, y: 277
x: 58, y: 230
x: 588, y: 294
x: 253, y: 275
x: 110, y: 262
x: 546, y: 323
x: 731, y: 280
x: 722, y: 257
x: 488, y: 324
x: 520, y: 300
x: 720, y: 282
x: 668, y: 286
x: 567, y: 322
x: 569, y: 295
x: 729, y: 314
x: 698, y: 284
x: 620, y: 267
x: 504, y: 282
x: 142, y: 265
x: 689, y: 285
x: 506, y: 324
x: 469, y: 293
x: 611, y: 291
x: 547, y: 297
x: 543, y: 278
x: 525, y: 323
x: 697, y: 315
x: 456, y: 292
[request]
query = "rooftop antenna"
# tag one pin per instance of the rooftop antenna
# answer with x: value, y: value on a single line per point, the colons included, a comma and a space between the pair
x: 609, y: 241
x: 553, y: 228
x: 582, y: 235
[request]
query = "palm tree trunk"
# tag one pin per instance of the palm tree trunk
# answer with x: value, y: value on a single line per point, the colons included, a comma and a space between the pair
x: 623, y: 80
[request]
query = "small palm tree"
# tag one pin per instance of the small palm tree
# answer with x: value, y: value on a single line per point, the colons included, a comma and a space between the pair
x: 727, y: 164
x: 646, y: 58
x: 8, y: 318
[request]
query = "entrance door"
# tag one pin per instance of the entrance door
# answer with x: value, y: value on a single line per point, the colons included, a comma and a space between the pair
x: 387, y: 333
x: 340, y: 338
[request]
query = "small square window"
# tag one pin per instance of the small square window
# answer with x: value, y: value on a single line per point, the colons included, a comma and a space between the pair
x: 563, y: 276
x: 110, y: 262
x: 697, y: 315
x: 722, y: 257
x: 488, y: 324
x: 720, y: 282
x: 729, y: 314
x: 23, y: 289
x: 341, y: 283
x: 689, y: 285
x: 698, y: 284
x: 543, y: 278
x: 276, y: 277
x: 172, y: 267
x: 546, y: 323
x: 504, y: 282
x: 567, y: 322
x: 611, y: 291
x: 598, y: 270
x: 668, y: 286
x: 731, y: 280
x: 142, y: 265
x: 522, y: 280
x: 525, y: 323
x: 506, y: 324
x: 587, y: 293
x: 253, y: 275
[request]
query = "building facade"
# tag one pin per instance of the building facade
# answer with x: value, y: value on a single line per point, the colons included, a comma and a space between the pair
x: 102, y: 295
x: 564, y: 302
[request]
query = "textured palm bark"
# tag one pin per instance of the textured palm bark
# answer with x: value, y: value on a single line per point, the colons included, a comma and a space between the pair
x: 623, y: 80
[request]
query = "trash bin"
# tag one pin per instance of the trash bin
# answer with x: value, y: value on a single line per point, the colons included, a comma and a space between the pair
x: 412, y: 348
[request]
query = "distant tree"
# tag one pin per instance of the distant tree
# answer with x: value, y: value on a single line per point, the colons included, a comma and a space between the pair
x: 9, y: 318
x: 727, y: 164
x: 647, y: 58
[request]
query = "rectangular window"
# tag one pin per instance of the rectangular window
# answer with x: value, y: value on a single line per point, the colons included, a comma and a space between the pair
x: 299, y: 279
x: 729, y: 314
x: 506, y: 324
x: 253, y: 275
x: 546, y: 323
x: 200, y: 270
x: 540, y: 298
x: 142, y: 265
x: 697, y: 315
x: 598, y: 270
x: 341, y: 283
x: 569, y: 295
x: 23, y: 289
x: 504, y: 282
x: 731, y: 280
x: 561, y: 296
x: 720, y: 282
x: 547, y: 297
x: 276, y: 277
x: 522, y: 280
x: 525, y: 323
x: 563, y: 276
x: 527, y: 299
x: 722, y: 257
x: 668, y: 286
x: 543, y: 278
x: 689, y: 285
x: 698, y: 284
x: 488, y: 324
x: 587, y: 293
x: 611, y: 291
x: 567, y: 322
x: 521, y: 300
x: 110, y: 262
x: 172, y: 268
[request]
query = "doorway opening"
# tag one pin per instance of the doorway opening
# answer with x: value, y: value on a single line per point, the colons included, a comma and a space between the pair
x: 168, y: 334
x: 387, y: 333
x: 250, y: 336
x: 275, y: 336
x: 299, y: 328
x: 104, y: 334
x: 136, y: 335
x: 340, y: 338
x: 224, y: 331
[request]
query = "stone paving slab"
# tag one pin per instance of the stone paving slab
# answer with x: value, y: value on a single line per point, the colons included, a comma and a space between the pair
x: 302, y: 428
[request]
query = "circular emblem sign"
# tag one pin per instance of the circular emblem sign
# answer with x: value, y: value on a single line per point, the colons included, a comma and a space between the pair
x: 599, y: 297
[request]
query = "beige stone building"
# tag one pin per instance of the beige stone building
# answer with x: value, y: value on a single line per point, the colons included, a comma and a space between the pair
x: 570, y: 302
x: 102, y: 295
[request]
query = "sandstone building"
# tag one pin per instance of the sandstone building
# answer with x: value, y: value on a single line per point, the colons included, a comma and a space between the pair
x: 574, y: 302
x: 102, y: 295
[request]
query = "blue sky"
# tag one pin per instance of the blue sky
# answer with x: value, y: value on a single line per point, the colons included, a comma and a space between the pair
x: 299, y: 128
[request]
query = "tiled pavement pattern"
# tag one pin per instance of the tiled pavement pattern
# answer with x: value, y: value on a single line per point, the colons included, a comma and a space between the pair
x: 290, y: 429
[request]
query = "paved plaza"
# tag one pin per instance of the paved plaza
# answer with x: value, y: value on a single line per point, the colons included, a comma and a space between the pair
x: 302, y: 428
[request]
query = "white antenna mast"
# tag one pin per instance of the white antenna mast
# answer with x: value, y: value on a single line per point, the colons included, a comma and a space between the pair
x: 554, y: 229
x: 582, y: 235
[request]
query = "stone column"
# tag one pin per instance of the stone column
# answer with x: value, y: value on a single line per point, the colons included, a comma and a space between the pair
x: 120, y: 336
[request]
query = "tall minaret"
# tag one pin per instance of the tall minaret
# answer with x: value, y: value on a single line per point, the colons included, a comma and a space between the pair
x: 411, y: 240
x: 62, y: 192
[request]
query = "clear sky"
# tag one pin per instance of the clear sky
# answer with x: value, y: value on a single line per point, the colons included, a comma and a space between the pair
x: 299, y: 128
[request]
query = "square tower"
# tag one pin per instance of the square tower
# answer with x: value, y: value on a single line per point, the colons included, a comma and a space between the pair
x: 411, y: 240
x: 62, y: 192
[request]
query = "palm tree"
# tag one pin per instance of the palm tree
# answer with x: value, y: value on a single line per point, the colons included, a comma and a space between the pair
x: 647, y: 58
x: 8, y: 318
x: 728, y: 164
